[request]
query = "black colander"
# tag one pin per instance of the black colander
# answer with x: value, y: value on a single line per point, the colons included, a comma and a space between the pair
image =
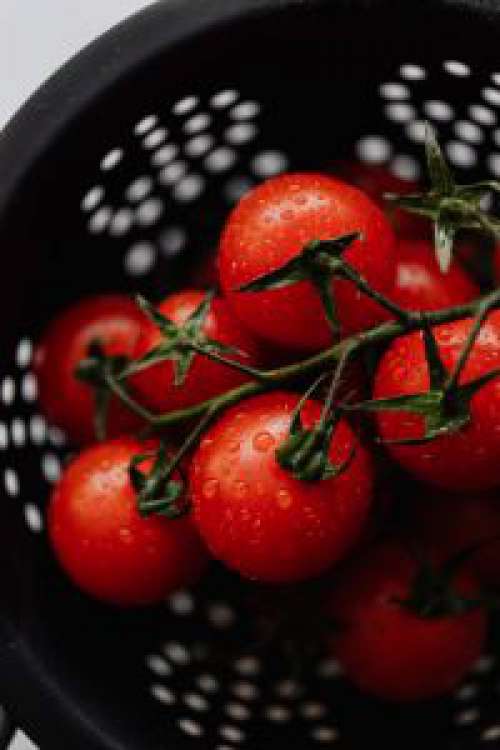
x: 117, y: 175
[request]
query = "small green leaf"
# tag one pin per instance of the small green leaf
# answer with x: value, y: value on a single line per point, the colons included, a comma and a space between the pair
x: 415, y: 403
x: 445, y: 228
x: 439, y: 173
x: 418, y: 203
x: 323, y: 285
x: 197, y: 319
x: 164, y: 324
x: 333, y: 247
x: 210, y: 345
x: 182, y: 364
x: 167, y: 505
x: 160, y: 353
x: 440, y: 428
x: 478, y: 188
x: 438, y: 373
x: 289, y: 274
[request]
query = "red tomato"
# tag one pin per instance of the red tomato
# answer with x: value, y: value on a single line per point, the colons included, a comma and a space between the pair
x: 271, y: 225
x: 390, y: 651
x: 420, y: 285
x: 375, y: 181
x: 113, y: 320
x: 469, y: 458
x: 255, y: 516
x: 206, y: 378
x: 454, y: 522
x: 102, y: 542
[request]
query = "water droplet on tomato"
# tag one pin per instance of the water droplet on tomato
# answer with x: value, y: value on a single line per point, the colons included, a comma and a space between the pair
x: 210, y: 488
x: 284, y: 499
x: 240, y: 489
x: 263, y: 441
x: 125, y: 535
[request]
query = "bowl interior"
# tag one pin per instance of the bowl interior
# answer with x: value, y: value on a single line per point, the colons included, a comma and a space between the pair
x: 131, y: 197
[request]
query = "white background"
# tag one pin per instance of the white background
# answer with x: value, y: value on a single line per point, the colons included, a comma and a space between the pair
x: 36, y: 37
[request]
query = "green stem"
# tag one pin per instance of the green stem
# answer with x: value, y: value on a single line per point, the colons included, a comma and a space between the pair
x: 383, y: 301
x: 235, y: 364
x: 216, y: 404
x: 324, y: 288
x: 275, y: 378
x: 482, y: 313
x: 335, y: 382
x: 191, y: 440
x: 117, y: 388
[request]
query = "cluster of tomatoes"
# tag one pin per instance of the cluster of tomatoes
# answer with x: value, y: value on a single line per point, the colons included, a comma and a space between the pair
x: 406, y: 604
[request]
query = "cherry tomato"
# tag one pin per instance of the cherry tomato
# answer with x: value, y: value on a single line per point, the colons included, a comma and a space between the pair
x: 102, y: 542
x: 455, y: 522
x: 420, y: 285
x: 467, y: 459
x: 376, y: 180
x: 271, y: 225
x: 112, y: 320
x: 258, y: 518
x: 155, y: 386
x: 393, y: 652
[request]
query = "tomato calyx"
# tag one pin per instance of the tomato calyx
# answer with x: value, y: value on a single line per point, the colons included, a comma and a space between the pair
x: 432, y: 592
x: 181, y: 343
x: 305, y: 452
x: 318, y: 262
x: 97, y: 370
x: 450, y: 206
x: 445, y: 407
x: 156, y: 491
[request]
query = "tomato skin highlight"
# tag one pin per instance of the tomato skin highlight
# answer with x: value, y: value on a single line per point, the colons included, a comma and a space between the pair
x: 389, y: 651
x: 104, y: 545
x: 155, y: 386
x: 420, y: 285
x: 271, y: 225
x: 115, y: 321
x: 255, y: 516
x: 461, y: 461
x: 451, y: 523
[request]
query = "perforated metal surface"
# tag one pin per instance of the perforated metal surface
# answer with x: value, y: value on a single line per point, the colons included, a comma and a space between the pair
x: 156, y: 201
